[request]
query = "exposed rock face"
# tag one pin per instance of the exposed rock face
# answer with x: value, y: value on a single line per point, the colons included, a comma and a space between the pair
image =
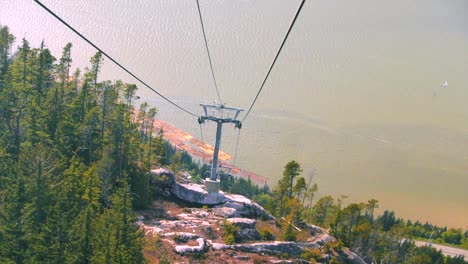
x: 353, y: 257
x: 163, y: 179
x: 276, y: 247
x: 247, y: 231
x: 190, y: 249
x: 195, y: 194
x: 321, y: 239
x: 312, y: 229
x: 249, y: 234
x: 226, y: 212
x: 318, y: 234
x: 243, y: 223
x: 182, y: 237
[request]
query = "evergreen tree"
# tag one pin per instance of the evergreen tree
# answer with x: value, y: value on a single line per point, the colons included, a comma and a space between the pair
x: 82, y: 247
x: 57, y: 95
x: 40, y: 164
x: 13, y: 244
x: 6, y: 41
x: 14, y: 98
x: 67, y: 207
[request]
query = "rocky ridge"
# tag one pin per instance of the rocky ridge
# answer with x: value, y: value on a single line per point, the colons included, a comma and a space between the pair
x: 198, y: 229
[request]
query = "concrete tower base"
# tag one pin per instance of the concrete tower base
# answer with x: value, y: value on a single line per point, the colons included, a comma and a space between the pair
x: 211, y: 186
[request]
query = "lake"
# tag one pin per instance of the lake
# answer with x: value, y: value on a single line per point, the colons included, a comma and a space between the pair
x: 355, y: 96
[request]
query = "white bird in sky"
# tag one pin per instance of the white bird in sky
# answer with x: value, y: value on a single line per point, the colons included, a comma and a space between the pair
x: 442, y: 85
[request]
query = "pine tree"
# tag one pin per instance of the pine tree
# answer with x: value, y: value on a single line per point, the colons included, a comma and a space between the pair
x: 96, y: 62
x: 82, y: 248
x: 43, y: 79
x: 40, y: 164
x: 6, y: 41
x: 128, y: 237
x: 310, y: 193
x: 14, y: 98
x: 159, y: 149
x: 57, y: 96
x: 12, y: 195
x: 68, y: 205
x: 63, y: 70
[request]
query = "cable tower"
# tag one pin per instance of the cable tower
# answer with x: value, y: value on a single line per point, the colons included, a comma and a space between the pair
x: 220, y: 115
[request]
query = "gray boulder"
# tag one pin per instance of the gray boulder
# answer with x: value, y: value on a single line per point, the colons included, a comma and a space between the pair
x: 321, y: 239
x: 247, y: 231
x: 249, y: 234
x: 225, y: 212
x: 312, y: 229
x: 183, y: 237
x: 195, y: 194
x: 247, y: 207
x: 192, y: 249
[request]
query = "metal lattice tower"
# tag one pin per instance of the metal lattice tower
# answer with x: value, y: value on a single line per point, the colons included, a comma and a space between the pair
x: 219, y: 114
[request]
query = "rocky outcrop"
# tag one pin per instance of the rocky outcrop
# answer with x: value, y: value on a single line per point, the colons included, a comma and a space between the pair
x: 313, y: 230
x: 247, y: 230
x: 195, y: 194
x: 192, y: 249
x: 243, y: 223
x: 182, y: 237
x: 249, y: 234
x: 196, y: 230
x: 318, y: 235
x: 321, y: 239
x: 162, y: 172
x: 352, y: 257
x: 274, y: 248
x: 163, y: 180
x: 225, y: 212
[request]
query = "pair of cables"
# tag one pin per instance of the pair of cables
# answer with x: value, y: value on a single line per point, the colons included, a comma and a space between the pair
x: 271, y: 66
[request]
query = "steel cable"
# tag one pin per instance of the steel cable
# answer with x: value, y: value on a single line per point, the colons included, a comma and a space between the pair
x: 111, y: 59
x: 274, y: 61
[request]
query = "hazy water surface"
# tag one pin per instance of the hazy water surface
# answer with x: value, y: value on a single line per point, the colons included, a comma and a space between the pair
x: 355, y: 96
